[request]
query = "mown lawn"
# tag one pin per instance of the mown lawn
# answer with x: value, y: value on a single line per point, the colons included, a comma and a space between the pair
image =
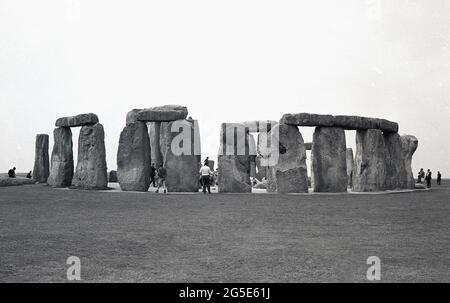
x: 145, y: 237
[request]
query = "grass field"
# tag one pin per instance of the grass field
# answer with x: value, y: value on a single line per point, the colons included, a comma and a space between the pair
x: 146, y: 237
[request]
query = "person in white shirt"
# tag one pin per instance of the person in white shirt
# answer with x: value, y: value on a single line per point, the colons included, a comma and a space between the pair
x: 205, y: 173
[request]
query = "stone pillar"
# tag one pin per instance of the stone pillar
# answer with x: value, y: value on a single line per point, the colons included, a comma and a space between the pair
x: 350, y: 166
x: 155, y: 148
x: 409, y: 147
x: 289, y: 175
x: 61, y: 172
x: 91, y: 171
x: 41, y: 168
x: 262, y: 151
x: 181, y: 152
x: 329, y: 164
x: 133, y: 158
x: 370, y: 161
x: 234, y: 159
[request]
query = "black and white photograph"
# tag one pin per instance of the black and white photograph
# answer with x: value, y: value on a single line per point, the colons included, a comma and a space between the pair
x: 247, y: 143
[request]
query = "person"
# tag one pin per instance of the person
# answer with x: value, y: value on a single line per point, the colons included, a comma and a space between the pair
x: 162, y: 174
x: 12, y: 173
x: 152, y: 174
x: 420, y: 176
x: 428, y: 179
x: 439, y: 178
x: 205, y: 173
x: 29, y: 175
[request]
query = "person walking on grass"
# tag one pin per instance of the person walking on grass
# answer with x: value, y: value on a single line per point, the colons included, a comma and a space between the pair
x: 428, y: 179
x: 162, y: 174
x: 205, y: 173
x: 439, y: 178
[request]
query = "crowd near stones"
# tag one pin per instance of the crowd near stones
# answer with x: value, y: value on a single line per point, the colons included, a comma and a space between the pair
x: 165, y: 138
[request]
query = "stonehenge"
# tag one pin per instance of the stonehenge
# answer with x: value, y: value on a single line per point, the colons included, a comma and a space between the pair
x: 234, y: 160
x: 41, y: 168
x: 62, y: 165
x: 166, y: 135
x: 91, y: 170
x: 133, y: 158
x: 329, y: 160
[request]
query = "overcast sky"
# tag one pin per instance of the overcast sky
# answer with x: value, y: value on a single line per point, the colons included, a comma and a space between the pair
x: 228, y: 61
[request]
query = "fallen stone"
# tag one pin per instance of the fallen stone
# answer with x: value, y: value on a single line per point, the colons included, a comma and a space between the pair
x: 350, y: 166
x: 79, y: 120
x: 18, y: 181
x: 164, y: 113
x: 370, y: 161
x: 133, y: 158
x: 61, y: 171
x: 329, y: 164
x: 41, y: 168
x: 91, y: 170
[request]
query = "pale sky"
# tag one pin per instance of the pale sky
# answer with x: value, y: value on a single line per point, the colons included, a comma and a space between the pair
x: 227, y: 61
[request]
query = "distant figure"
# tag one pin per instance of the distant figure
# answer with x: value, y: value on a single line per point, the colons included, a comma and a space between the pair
x: 12, y: 173
x: 420, y: 176
x: 29, y: 175
x: 205, y: 173
x: 152, y: 174
x: 428, y: 179
x: 439, y: 178
x: 162, y: 174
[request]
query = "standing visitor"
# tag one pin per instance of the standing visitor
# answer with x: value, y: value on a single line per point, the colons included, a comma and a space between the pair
x: 162, y: 174
x: 439, y: 178
x: 205, y: 173
x: 428, y: 179
x: 152, y: 174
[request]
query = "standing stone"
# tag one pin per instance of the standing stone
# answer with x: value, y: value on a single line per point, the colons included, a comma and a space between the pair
x: 181, y: 152
x: 155, y: 147
x: 234, y: 159
x: 350, y: 166
x: 61, y: 172
x: 409, y: 147
x: 132, y: 116
x: 41, y: 168
x: 329, y: 164
x: 133, y: 158
x: 252, y: 152
x: 263, y: 151
x: 290, y: 173
x: 370, y: 161
x: 91, y: 171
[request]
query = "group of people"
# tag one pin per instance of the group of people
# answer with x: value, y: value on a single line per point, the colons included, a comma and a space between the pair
x: 428, y: 177
x: 159, y: 174
x: 12, y: 173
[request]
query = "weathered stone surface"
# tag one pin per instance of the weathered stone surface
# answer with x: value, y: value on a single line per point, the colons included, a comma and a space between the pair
x: 155, y: 147
x: 345, y: 122
x: 91, y: 170
x: 329, y: 164
x: 112, y: 177
x: 409, y: 147
x: 234, y: 159
x: 61, y: 172
x: 350, y: 166
x: 132, y: 116
x: 370, y: 161
x: 41, y: 168
x: 259, y: 125
x: 79, y: 120
x: 290, y: 172
x: 164, y: 113
x: 263, y: 151
x: 133, y: 158
x: 399, y: 152
x: 181, y: 155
